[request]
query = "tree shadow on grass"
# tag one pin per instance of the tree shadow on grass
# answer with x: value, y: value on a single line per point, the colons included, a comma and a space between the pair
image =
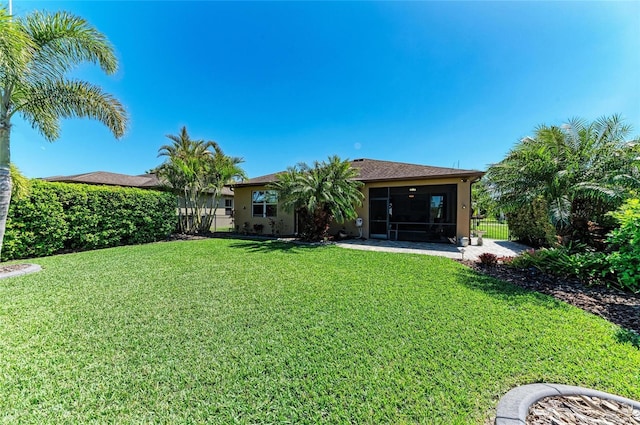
x: 624, y: 336
x: 506, y: 291
x: 511, y: 292
x: 268, y: 246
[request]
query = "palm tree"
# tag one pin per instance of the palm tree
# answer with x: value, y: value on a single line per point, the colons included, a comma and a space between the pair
x: 182, y: 171
x: 197, y: 170
x: 581, y: 170
x: 35, y: 54
x: 225, y: 170
x: 20, y: 185
x: 320, y: 194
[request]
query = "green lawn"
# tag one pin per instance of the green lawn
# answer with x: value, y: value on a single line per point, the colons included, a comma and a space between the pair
x: 231, y: 331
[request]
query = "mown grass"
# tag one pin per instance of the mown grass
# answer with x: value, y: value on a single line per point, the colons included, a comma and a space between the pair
x: 225, y: 331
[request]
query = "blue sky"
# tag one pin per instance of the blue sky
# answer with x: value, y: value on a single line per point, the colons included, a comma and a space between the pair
x: 277, y: 83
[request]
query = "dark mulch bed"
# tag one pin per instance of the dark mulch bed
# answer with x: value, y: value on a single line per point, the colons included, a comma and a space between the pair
x: 619, y: 307
x: 186, y: 237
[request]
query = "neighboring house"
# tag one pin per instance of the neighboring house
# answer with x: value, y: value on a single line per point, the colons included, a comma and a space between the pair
x: 224, y: 213
x: 143, y: 181
x: 406, y: 202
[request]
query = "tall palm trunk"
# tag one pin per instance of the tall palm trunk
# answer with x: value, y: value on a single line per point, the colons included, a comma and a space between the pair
x: 210, y: 212
x: 5, y: 174
x: 5, y: 199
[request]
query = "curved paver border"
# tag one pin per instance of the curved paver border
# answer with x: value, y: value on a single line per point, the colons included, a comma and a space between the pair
x: 31, y: 269
x: 513, y: 407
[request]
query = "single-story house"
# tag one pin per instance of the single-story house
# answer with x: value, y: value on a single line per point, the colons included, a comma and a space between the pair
x: 224, y: 212
x: 406, y: 202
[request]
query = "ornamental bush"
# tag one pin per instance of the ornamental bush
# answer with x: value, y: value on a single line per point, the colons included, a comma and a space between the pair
x: 61, y: 216
x: 531, y: 225
x: 488, y: 259
x: 625, y: 260
x: 588, y: 266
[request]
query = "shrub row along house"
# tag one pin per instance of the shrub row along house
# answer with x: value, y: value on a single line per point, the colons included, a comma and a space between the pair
x: 405, y: 202
x: 223, y: 218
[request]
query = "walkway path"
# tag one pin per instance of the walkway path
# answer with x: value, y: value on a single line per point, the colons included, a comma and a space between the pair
x: 471, y: 252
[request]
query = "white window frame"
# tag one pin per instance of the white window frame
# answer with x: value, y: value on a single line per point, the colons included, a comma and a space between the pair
x: 264, y: 199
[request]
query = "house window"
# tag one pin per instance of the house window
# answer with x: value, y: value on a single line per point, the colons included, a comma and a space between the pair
x: 264, y: 203
x: 437, y: 208
x: 228, y: 207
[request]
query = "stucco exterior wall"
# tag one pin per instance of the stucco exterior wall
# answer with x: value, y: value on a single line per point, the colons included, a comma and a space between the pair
x: 243, y: 214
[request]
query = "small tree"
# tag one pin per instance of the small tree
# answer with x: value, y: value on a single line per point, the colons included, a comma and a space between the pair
x: 582, y: 170
x: 320, y: 194
x: 196, y: 171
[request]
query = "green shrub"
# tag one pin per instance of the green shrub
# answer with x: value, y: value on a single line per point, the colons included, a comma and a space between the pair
x: 531, y: 225
x: 625, y: 260
x: 59, y: 216
x: 36, y: 224
x: 101, y: 217
x: 589, y: 267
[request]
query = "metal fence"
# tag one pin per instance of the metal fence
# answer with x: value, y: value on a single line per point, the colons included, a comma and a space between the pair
x: 491, y: 228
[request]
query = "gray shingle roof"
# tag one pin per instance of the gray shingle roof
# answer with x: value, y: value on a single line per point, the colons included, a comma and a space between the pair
x: 371, y: 170
x: 110, y: 179
x: 143, y: 181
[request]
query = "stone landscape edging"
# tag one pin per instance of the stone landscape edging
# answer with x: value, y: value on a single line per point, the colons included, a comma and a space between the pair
x: 31, y: 269
x: 513, y: 407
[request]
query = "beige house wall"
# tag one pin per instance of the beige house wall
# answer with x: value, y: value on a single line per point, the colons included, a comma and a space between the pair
x: 243, y: 214
x: 222, y: 221
x: 243, y: 207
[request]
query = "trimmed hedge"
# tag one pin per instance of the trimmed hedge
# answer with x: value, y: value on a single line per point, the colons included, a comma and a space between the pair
x: 36, y: 224
x: 55, y: 217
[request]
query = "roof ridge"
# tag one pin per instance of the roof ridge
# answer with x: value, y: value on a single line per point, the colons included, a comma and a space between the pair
x: 381, y: 170
x: 412, y: 164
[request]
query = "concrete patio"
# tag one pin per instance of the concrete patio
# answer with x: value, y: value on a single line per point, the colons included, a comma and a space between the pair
x: 471, y: 252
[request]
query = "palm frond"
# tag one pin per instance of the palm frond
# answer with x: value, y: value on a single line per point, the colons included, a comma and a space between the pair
x: 63, y: 41
x: 44, y: 103
x: 16, y: 50
x: 598, y: 192
x: 560, y: 211
x: 20, y: 185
